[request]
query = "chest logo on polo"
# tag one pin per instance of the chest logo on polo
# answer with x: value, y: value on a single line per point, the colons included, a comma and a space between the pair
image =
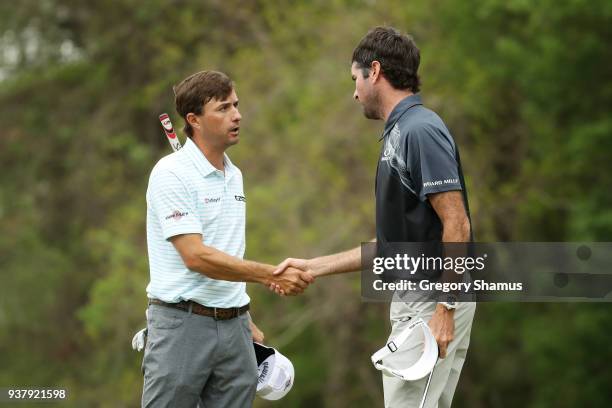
x: 391, y: 144
x: 392, y: 157
x: 212, y: 200
x: 240, y: 198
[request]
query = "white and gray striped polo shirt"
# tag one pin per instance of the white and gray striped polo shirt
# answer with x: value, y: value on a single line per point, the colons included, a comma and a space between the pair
x: 188, y: 195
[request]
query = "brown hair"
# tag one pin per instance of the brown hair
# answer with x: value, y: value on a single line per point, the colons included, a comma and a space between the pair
x: 397, y: 53
x: 195, y: 91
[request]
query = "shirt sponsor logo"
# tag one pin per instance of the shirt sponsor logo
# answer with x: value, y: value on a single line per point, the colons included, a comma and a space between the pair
x: 212, y: 200
x: 388, y: 153
x: 440, y: 182
x: 391, y: 143
x: 177, y: 215
x: 240, y: 198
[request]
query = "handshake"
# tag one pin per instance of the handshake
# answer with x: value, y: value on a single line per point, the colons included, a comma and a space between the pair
x: 291, y: 277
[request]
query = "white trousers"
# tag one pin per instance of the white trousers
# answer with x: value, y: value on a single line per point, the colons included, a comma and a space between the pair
x: 408, y: 394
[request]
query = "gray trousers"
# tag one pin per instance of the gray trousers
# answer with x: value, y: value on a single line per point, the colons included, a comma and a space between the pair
x: 191, y: 359
x: 407, y: 394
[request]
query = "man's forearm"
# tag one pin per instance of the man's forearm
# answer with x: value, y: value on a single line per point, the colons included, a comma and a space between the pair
x: 347, y: 261
x: 218, y: 265
x: 456, y: 231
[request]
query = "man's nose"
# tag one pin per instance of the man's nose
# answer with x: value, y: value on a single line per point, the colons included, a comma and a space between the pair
x: 237, y: 116
x: 355, y: 96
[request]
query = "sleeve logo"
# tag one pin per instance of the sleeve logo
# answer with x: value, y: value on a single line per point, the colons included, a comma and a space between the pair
x: 440, y: 182
x: 176, y: 215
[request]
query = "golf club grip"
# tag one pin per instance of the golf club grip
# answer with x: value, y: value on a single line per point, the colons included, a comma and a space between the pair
x: 175, y: 143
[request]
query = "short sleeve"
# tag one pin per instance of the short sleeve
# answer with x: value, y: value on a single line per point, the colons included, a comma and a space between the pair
x: 172, y: 205
x: 431, y: 161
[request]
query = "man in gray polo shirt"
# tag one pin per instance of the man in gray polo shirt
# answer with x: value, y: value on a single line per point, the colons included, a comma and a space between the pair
x: 199, y: 347
x: 420, y: 197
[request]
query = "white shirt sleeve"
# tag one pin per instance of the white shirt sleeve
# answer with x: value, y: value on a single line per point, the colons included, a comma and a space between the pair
x: 172, y: 204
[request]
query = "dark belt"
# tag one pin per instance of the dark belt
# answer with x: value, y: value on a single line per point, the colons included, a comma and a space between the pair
x: 218, y: 313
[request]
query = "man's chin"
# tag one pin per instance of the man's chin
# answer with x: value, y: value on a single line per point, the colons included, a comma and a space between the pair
x: 369, y: 114
x: 233, y: 140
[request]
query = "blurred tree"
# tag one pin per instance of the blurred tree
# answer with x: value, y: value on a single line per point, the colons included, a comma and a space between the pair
x: 525, y: 88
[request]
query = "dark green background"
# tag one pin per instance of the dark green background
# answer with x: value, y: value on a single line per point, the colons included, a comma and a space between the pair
x: 524, y: 86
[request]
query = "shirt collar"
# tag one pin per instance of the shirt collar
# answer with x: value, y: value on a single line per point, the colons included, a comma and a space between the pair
x: 201, y: 162
x: 230, y: 169
x: 403, y: 105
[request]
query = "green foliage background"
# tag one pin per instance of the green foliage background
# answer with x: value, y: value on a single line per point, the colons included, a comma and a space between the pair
x: 525, y: 87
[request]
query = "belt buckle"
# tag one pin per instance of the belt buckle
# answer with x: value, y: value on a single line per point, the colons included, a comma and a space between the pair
x: 215, y: 313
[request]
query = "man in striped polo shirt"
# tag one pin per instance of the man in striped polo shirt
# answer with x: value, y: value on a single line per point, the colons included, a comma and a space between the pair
x: 199, y: 346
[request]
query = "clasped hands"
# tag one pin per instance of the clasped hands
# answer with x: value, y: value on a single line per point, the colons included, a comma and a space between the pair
x: 291, y: 277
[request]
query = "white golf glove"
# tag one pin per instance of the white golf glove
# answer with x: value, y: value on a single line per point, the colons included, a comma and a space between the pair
x: 140, y: 339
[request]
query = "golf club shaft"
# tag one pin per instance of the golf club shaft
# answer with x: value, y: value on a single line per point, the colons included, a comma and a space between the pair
x: 426, y: 388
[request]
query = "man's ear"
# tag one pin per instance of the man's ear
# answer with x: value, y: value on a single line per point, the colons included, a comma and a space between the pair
x: 375, y: 71
x: 193, y: 120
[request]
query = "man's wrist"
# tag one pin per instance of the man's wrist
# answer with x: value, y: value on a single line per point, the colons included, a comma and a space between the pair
x: 262, y: 273
x: 449, y: 306
x: 315, y: 266
x: 448, y: 300
x: 321, y: 266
